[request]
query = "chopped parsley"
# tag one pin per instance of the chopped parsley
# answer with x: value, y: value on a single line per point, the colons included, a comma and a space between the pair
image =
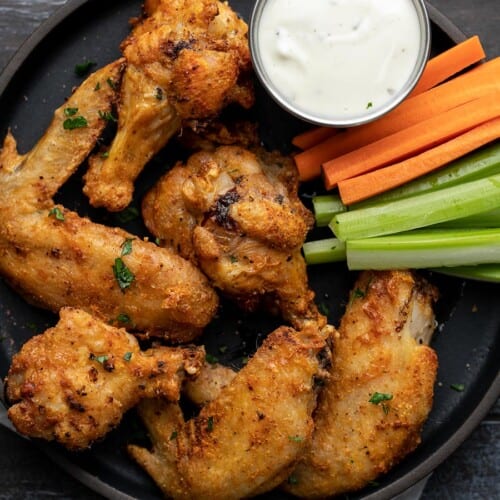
x: 369, y: 105
x: 223, y: 349
x: 323, y: 309
x: 159, y: 93
x: 127, y: 215
x: 292, y: 479
x: 108, y: 116
x: 123, y: 318
x: 127, y: 356
x: 379, y: 397
x: 173, y: 436
x: 210, y: 358
x: 70, y: 111
x: 210, y: 424
x: 105, y: 154
x: 57, y: 213
x: 76, y: 122
x: 112, y: 83
x: 458, y: 387
x: 97, y: 86
x: 123, y: 275
x: 100, y: 359
x: 296, y: 439
x: 83, y: 68
x: 127, y: 246
x: 233, y: 259
x: 157, y: 242
x: 358, y: 293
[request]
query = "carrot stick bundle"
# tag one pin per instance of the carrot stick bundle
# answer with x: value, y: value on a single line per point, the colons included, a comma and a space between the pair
x: 412, y: 140
x: 313, y: 136
x: 365, y: 186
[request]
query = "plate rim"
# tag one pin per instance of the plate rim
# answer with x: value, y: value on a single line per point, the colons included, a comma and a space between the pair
x: 398, y: 486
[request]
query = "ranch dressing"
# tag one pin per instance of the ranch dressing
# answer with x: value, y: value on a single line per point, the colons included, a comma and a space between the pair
x: 339, y: 58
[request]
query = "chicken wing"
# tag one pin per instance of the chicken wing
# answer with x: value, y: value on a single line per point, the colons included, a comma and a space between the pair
x: 74, y: 382
x: 55, y: 258
x: 237, y: 215
x: 186, y: 61
x: 245, y: 440
x: 371, y: 410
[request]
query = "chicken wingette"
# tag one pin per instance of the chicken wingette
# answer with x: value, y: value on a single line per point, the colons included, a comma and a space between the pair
x: 245, y: 441
x: 237, y: 215
x: 372, y: 408
x: 56, y: 258
x: 74, y: 382
x: 185, y: 61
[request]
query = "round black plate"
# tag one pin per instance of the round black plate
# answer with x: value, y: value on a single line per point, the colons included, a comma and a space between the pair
x: 37, y: 81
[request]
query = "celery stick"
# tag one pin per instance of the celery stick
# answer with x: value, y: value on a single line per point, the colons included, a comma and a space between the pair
x: 324, y: 251
x: 325, y: 207
x: 491, y: 218
x: 425, y: 248
x: 419, y: 211
x: 482, y: 272
x: 481, y: 163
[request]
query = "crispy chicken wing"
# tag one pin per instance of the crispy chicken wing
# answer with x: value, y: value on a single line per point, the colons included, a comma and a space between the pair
x: 371, y: 410
x: 245, y: 440
x: 237, y: 215
x: 186, y: 61
x: 74, y: 382
x: 56, y: 258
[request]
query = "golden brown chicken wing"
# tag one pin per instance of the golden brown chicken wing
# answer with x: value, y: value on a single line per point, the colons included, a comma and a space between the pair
x: 186, y: 61
x: 371, y: 410
x: 245, y: 440
x: 56, y: 258
x: 74, y: 382
x: 237, y: 215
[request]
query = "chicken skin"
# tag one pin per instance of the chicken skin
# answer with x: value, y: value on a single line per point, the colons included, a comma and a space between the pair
x: 74, y: 382
x: 186, y: 61
x: 56, y: 258
x: 379, y: 394
x: 245, y: 441
x: 237, y: 215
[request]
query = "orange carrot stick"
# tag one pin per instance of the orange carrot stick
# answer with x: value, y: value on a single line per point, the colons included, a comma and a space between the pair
x: 449, y: 63
x: 376, y: 182
x: 312, y: 137
x: 412, y: 140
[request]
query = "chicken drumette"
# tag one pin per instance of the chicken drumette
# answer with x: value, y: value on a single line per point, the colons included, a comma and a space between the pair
x: 74, y: 382
x: 245, y: 441
x: 186, y: 61
x: 55, y: 258
x: 238, y: 216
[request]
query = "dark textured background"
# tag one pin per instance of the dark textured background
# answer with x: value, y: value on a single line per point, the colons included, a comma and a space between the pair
x: 472, y: 472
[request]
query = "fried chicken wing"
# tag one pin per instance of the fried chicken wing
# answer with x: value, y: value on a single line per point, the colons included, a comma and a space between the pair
x: 245, y: 440
x: 371, y: 410
x: 186, y: 61
x: 237, y: 215
x: 55, y: 258
x: 74, y: 382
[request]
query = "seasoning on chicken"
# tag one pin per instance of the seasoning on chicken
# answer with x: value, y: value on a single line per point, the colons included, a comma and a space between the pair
x: 74, y: 382
x: 245, y: 441
x: 186, y: 61
x: 379, y: 394
x: 238, y: 216
x: 55, y: 258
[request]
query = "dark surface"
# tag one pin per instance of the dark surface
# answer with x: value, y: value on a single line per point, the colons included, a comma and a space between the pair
x: 472, y: 472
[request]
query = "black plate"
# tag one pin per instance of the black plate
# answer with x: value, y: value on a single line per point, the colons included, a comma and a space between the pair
x: 37, y: 81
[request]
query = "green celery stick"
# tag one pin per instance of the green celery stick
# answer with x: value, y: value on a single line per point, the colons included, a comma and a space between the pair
x: 483, y: 219
x: 418, y: 211
x: 325, y: 207
x: 425, y: 248
x: 481, y: 163
x: 482, y: 272
x: 324, y: 251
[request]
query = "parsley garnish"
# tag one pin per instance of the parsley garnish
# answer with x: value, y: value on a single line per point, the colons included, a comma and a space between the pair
x: 233, y: 259
x: 127, y: 215
x: 210, y: 424
x: 111, y: 83
x: 108, y: 116
x: 127, y: 247
x: 223, y: 349
x: 358, y: 293
x: 97, y: 86
x: 173, y: 436
x: 369, y: 105
x: 323, y: 309
x: 296, y: 439
x: 292, y: 479
x: 123, y: 275
x: 123, y: 318
x: 57, y: 213
x: 159, y: 93
x: 83, y: 68
x: 379, y: 397
x: 458, y: 387
x: 105, y: 154
x: 127, y: 356
x: 211, y: 359
x: 70, y: 111
x: 100, y: 359
x: 77, y: 122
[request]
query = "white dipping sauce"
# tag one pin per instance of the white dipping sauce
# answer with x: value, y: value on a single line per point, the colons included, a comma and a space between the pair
x: 339, y: 58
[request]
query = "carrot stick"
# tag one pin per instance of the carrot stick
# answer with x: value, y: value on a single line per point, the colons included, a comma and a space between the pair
x: 449, y: 63
x: 312, y: 137
x: 412, y: 140
x: 460, y: 90
x: 370, y: 184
